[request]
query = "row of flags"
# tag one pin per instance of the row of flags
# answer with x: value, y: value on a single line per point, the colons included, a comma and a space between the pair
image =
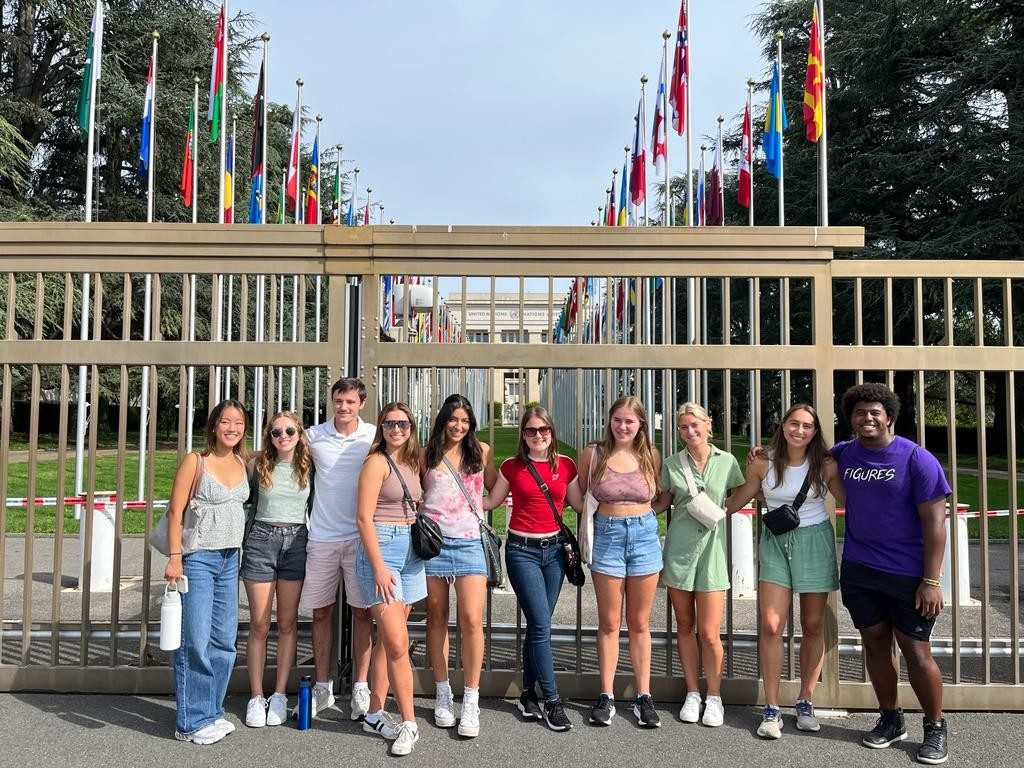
x: 305, y: 206
x: 707, y: 205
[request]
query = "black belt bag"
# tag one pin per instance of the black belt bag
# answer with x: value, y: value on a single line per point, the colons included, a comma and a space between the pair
x: 786, y: 518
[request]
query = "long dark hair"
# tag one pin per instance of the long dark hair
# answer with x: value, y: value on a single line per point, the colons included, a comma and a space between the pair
x: 816, y: 451
x: 472, y: 453
x: 211, y: 428
x: 523, y: 452
x: 410, y: 453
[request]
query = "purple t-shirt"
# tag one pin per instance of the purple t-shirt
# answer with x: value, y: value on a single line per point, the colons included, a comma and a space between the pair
x: 883, y: 489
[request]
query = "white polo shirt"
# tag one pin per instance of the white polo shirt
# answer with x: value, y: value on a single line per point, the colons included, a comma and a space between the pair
x: 338, y: 459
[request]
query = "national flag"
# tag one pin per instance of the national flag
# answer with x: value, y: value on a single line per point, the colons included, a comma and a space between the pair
x: 775, y: 122
x: 292, y: 183
x: 658, y: 134
x: 91, y: 72
x: 814, y: 84
x: 715, y: 209
x: 188, y: 163
x: 336, y: 203
x: 312, y: 201
x: 623, y: 198
x: 147, y: 124
x: 256, y: 151
x: 611, y: 218
x: 282, y: 208
x: 229, y: 177
x: 680, y: 74
x: 638, y: 173
x: 746, y: 161
x: 366, y: 213
x: 217, y: 76
x: 700, y: 214
x: 349, y: 217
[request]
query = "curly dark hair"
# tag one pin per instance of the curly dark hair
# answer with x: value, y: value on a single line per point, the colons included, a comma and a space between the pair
x: 871, y: 392
x: 472, y: 452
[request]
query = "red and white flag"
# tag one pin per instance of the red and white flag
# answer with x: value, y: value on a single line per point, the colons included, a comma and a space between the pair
x: 680, y: 74
x: 658, y: 134
x: 746, y: 161
x: 292, y: 180
x: 638, y: 171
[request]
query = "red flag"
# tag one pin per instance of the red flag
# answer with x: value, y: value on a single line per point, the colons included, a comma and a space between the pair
x: 680, y: 74
x: 366, y: 214
x: 746, y: 161
x: 187, y: 165
x: 715, y: 210
x: 292, y: 182
x: 638, y: 171
x: 814, y: 84
x: 217, y: 69
x: 658, y: 134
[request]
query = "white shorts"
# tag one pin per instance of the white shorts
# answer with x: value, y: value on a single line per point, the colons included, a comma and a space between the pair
x: 330, y: 564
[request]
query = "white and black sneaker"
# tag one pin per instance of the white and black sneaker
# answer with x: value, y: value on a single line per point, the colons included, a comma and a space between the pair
x: 529, y: 707
x: 603, y: 711
x: 646, y: 715
x: 555, y: 717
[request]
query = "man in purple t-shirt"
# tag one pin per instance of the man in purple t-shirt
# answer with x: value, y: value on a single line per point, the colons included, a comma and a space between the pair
x: 892, y: 555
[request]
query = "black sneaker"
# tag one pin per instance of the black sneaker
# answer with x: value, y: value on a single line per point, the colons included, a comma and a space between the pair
x: 934, y: 747
x: 645, y: 713
x: 603, y: 711
x: 888, y: 729
x: 529, y: 706
x: 555, y: 717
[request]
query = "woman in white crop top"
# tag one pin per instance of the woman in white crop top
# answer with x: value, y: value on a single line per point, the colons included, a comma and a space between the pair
x: 802, y: 560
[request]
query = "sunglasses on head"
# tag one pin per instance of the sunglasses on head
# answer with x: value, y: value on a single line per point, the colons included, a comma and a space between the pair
x: 534, y: 431
x: 396, y: 424
x: 277, y: 432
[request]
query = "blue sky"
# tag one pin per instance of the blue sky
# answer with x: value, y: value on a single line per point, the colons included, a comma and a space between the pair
x: 488, y: 112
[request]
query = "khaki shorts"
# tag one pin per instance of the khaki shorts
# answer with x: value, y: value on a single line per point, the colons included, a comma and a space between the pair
x: 330, y: 564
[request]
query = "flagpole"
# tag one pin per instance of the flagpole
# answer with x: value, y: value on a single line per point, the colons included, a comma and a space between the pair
x: 195, y: 150
x: 263, y: 175
x: 223, y: 117
x: 750, y: 174
x: 721, y: 170
x: 234, y: 155
x: 300, y: 200
x: 643, y: 127
x: 191, y: 398
x: 258, y: 395
x: 689, y: 133
x: 319, y: 208
x: 668, y: 219
x: 823, y: 139
x: 367, y: 217
x: 782, y: 168
x: 147, y: 298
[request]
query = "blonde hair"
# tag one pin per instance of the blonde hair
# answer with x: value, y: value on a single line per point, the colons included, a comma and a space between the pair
x: 302, y: 460
x: 641, y: 446
x: 690, y: 408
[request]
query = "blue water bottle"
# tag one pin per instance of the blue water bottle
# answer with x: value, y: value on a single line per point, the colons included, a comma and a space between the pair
x: 304, y: 716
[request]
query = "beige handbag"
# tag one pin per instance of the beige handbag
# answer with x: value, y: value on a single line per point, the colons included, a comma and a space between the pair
x: 700, y: 506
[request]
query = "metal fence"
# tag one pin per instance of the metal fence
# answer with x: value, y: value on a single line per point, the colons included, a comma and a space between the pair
x: 745, y: 320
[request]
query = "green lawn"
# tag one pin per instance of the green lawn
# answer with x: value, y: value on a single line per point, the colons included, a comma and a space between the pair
x: 504, y: 446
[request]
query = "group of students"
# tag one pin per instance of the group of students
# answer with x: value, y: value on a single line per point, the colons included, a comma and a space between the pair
x: 334, y: 504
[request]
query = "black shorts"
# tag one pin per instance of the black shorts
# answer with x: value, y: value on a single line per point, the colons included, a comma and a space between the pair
x: 872, y: 597
x: 273, y: 552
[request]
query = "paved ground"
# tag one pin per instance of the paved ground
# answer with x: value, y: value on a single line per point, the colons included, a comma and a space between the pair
x: 70, y: 730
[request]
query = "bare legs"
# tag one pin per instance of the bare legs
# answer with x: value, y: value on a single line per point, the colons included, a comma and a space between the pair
x: 261, y: 597
x: 774, y: 602
x: 638, y: 594
x: 700, y: 612
x: 470, y: 593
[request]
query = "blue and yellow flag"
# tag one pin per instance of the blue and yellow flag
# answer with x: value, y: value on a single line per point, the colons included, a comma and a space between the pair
x: 775, y: 122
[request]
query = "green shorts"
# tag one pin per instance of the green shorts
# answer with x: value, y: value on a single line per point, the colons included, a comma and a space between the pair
x: 803, y: 560
x: 695, y: 556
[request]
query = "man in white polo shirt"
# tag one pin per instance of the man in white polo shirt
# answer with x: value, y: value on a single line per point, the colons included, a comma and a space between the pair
x: 339, y: 447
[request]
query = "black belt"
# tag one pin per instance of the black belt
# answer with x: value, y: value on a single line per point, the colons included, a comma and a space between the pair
x: 541, y: 543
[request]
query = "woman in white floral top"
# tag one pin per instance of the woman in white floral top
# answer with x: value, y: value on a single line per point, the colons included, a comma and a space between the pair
x: 458, y: 466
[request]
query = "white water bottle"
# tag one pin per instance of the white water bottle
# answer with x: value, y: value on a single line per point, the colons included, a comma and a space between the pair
x: 170, y: 618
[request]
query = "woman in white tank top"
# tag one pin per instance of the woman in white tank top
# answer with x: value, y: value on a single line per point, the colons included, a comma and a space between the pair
x: 801, y: 560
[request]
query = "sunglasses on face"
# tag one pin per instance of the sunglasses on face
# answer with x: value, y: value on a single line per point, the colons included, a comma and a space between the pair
x: 534, y: 431
x: 276, y: 432
x: 393, y: 424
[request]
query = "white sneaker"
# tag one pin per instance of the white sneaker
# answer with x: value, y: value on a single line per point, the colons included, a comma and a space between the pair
x: 225, y: 725
x: 714, y: 712
x: 256, y: 712
x: 469, y: 721
x: 383, y: 724
x: 408, y: 735
x: 208, y: 734
x: 771, y: 723
x: 323, y: 699
x: 277, y: 709
x: 444, y: 709
x: 359, y: 704
x: 690, y: 711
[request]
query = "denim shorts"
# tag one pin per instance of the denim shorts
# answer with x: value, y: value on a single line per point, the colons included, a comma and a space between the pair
x: 404, y: 564
x: 458, y: 557
x: 626, y: 546
x: 272, y: 552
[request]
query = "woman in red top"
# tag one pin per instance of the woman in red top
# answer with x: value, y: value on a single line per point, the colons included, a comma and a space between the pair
x: 533, y: 553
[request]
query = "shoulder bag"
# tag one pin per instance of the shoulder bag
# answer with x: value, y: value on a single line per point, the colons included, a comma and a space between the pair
x: 785, y: 518
x: 700, y: 506
x: 424, y: 532
x: 570, y: 547
x: 590, y: 505
x: 158, y: 537
x: 489, y: 538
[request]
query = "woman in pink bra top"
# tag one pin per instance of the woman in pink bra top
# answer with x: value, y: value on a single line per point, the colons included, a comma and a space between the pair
x: 621, y: 472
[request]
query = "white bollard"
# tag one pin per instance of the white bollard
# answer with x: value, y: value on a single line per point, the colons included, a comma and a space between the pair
x: 962, y: 561
x: 101, y: 567
x: 743, y: 581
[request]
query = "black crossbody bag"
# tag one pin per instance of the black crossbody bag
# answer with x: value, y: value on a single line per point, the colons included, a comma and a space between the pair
x: 424, y: 532
x: 570, y: 547
x: 785, y: 518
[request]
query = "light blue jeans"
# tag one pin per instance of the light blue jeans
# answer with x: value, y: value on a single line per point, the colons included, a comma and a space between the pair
x: 209, y: 624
